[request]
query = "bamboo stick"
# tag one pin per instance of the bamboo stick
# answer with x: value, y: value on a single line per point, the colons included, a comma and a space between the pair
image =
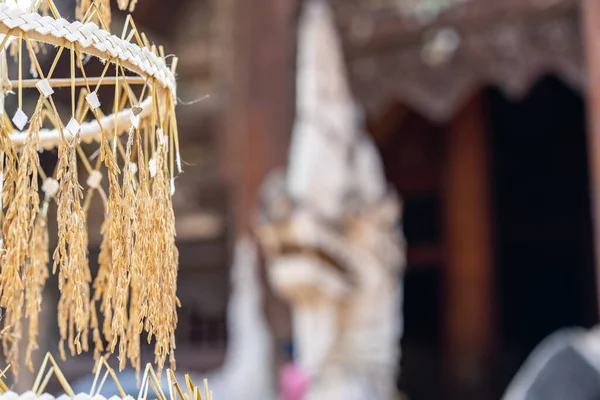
x: 66, y: 82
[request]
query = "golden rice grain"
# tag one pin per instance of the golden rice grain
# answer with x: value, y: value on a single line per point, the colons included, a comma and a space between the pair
x: 18, y: 240
x: 70, y: 255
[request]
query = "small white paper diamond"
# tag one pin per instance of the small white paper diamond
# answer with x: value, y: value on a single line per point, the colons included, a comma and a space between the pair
x: 133, y: 167
x: 20, y: 119
x: 92, y: 100
x: 135, y: 119
x: 72, y: 129
x: 152, y: 167
x: 44, y: 87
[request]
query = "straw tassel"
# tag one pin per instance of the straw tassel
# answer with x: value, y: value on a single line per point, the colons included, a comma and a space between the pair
x: 100, y: 286
x: 114, y: 225
x: 162, y: 298
x: 36, y: 277
x: 9, y: 171
x: 142, y: 253
x: 122, y: 267
x: 17, y: 228
x: 71, y: 254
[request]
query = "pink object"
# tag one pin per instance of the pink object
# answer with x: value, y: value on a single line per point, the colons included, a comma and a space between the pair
x: 294, y: 382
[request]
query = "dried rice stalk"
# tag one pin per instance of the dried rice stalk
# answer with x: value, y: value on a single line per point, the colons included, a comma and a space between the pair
x: 35, y: 280
x: 9, y: 171
x: 71, y: 254
x: 17, y: 227
x: 121, y: 267
x: 163, y: 266
x: 142, y: 253
x: 107, y: 288
x: 12, y: 333
x: 100, y: 286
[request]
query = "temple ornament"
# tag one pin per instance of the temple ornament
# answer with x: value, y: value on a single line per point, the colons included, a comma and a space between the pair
x: 330, y: 230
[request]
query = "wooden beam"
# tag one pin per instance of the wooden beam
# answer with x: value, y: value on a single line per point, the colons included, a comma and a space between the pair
x: 469, y: 311
x: 591, y: 20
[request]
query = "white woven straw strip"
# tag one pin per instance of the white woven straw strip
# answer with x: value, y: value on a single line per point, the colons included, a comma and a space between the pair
x: 29, y: 395
x: 90, y: 131
x: 88, y: 38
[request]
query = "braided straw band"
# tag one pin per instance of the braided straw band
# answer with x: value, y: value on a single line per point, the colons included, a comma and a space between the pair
x: 89, y: 39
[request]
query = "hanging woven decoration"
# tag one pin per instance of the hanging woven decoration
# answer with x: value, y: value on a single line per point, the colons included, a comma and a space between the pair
x: 126, y: 114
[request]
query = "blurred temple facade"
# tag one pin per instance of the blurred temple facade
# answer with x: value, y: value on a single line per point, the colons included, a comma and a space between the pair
x: 484, y: 115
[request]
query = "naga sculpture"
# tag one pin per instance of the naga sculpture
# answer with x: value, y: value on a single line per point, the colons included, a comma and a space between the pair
x: 330, y: 230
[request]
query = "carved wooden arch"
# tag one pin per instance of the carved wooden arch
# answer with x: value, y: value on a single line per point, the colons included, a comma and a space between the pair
x: 509, y: 45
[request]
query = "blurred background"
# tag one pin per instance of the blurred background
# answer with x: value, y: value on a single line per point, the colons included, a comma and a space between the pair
x: 478, y: 109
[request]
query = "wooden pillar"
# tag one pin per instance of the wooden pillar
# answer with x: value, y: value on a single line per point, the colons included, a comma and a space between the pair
x: 261, y: 100
x: 591, y: 20
x: 259, y: 112
x: 468, y: 297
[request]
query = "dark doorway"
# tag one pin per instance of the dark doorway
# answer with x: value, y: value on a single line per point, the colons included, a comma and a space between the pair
x: 412, y: 152
x: 543, y: 232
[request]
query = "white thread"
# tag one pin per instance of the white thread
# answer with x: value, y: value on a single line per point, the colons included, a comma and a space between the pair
x: 94, y: 179
x: 178, y: 161
x: 134, y: 119
x: 172, y: 187
x: 50, y: 187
